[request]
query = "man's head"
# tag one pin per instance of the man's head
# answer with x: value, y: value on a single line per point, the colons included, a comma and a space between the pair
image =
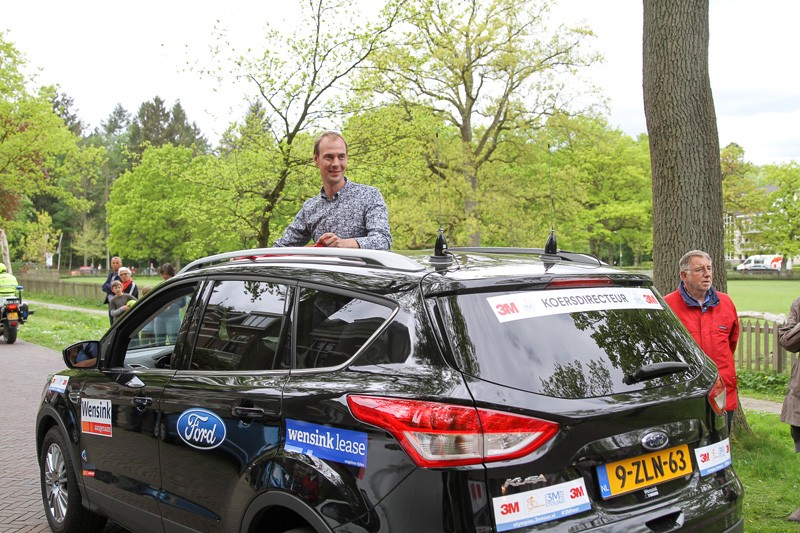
x: 330, y: 156
x: 116, y: 262
x: 696, y: 272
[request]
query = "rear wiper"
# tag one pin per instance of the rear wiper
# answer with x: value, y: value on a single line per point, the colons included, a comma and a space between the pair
x: 655, y: 370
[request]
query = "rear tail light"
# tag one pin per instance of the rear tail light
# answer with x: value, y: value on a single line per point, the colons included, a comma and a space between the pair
x: 567, y: 283
x: 12, y: 307
x: 717, y: 397
x: 437, y: 434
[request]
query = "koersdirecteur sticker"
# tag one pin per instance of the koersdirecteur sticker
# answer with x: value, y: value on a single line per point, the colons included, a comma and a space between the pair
x: 325, y: 442
x: 531, y: 304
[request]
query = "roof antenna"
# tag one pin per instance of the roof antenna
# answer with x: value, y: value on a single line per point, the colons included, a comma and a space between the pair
x: 441, y: 257
x: 551, y: 246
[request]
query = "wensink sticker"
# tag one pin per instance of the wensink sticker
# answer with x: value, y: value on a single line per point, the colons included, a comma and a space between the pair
x: 201, y: 429
x: 713, y: 457
x: 533, y: 304
x: 333, y: 444
x: 58, y: 383
x: 96, y: 417
x: 540, y: 505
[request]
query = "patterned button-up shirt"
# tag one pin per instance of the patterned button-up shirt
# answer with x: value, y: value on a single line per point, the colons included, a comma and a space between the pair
x: 355, y: 212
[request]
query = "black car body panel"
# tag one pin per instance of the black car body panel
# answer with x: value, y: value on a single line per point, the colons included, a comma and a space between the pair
x: 239, y: 415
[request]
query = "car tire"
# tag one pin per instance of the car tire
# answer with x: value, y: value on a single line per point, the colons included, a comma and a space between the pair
x: 60, y: 493
x: 300, y: 530
x: 10, y: 335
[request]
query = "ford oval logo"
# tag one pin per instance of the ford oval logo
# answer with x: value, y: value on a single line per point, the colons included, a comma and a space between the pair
x: 201, y: 429
x: 655, y: 440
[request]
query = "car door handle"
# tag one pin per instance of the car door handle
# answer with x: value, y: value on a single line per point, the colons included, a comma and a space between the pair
x: 247, y: 412
x: 141, y: 402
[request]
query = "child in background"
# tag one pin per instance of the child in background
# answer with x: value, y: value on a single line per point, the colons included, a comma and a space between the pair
x: 118, y: 303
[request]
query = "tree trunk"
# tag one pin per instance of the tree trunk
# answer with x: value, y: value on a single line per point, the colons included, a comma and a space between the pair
x: 684, y: 144
x: 4, y: 255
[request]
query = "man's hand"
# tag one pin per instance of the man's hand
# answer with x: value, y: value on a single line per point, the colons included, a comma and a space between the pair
x: 331, y: 240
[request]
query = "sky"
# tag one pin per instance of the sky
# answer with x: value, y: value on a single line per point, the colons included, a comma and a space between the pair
x: 101, y: 53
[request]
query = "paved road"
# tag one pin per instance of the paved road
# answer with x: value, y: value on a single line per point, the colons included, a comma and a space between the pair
x: 34, y: 304
x: 26, y: 367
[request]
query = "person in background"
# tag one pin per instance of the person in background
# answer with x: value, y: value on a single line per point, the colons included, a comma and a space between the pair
x: 128, y: 285
x: 113, y: 274
x: 8, y: 282
x: 168, y: 323
x: 344, y: 214
x: 789, y: 338
x: 711, y: 319
x: 119, y: 303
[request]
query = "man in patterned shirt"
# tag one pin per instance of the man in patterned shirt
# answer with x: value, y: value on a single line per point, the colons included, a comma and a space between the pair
x: 344, y: 214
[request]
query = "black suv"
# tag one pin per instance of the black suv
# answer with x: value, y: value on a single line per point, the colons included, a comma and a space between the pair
x: 321, y: 390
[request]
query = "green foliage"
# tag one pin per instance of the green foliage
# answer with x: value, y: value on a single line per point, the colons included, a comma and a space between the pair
x: 157, y: 210
x: 40, y: 238
x: 769, y: 385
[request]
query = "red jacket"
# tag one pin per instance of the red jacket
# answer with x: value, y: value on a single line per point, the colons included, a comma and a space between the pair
x: 715, y: 328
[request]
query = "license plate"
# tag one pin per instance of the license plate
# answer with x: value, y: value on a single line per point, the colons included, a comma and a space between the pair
x: 643, y: 471
x: 12, y: 316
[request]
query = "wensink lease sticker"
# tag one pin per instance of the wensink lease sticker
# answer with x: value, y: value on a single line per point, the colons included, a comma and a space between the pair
x: 533, y: 304
x: 58, y: 383
x: 96, y: 417
x: 713, y: 457
x: 333, y: 444
x: 540, y: 505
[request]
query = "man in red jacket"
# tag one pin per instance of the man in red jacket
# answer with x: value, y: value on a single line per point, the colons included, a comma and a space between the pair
x: 710, y: 317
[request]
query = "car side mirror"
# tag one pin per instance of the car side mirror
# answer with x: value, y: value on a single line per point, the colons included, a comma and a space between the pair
x: 82, y: 355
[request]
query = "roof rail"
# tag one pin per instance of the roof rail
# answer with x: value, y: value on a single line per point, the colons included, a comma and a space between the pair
x: 358, y: 257
x: 562, y: 255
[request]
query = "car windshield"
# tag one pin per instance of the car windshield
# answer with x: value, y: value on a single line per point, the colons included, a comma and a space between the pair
x: 587, y: 347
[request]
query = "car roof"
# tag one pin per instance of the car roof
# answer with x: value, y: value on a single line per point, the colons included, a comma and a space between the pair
x: 460, y: 268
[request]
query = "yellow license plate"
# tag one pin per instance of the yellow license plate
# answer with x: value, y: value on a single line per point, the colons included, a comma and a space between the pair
x: 12, y: 316
x: 644, y: 471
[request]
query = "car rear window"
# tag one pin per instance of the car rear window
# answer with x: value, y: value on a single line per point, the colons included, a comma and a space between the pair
x: 567, y: 343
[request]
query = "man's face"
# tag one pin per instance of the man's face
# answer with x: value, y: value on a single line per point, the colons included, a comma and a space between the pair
x: 699, y: 277
x: 116, y: 262
x: 331, y: 160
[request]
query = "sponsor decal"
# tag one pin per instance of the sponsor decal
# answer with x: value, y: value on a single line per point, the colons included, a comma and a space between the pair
x: 540, y: 505
x: 201, y: 429
x: 88, y: 473
x: 534, y: 304
x: 714, y: 457
x: 58, y: 383
x: 96, y: 417
x: 333, y: 444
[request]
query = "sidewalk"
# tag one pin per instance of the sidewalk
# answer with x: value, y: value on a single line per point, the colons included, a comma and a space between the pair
x: 764, y: 406
x: 33, y: 304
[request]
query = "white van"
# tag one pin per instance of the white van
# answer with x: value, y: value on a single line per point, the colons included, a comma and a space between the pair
x: 763, y: 262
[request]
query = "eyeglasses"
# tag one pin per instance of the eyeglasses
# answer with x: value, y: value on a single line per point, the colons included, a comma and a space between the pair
x: 701, y: 270
x: 124, y: 274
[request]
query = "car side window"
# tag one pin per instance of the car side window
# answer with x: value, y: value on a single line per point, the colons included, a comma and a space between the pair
x: 152, y: 338
x: 242, y: 327
x: 332, y: 327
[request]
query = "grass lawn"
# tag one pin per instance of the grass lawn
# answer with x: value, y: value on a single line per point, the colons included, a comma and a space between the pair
x: 764, y: 295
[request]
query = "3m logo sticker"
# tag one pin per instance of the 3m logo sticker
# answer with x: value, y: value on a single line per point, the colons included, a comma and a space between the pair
x: 96, y: 417
x: 540, y: 505
x: 713, y: 457
x: 333, y: 444
x: 201, y: 429
x: 58, y: 383
x: 533, y: 304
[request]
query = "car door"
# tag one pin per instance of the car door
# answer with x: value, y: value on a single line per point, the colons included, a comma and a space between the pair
x: 119, y: 410
x: 221, y: 410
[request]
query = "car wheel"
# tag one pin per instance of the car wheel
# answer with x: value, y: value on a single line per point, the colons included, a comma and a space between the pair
x: 60, y: 494
x: 9, y: 334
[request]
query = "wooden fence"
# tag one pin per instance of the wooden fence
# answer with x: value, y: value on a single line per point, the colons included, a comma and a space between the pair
x: 90, y: 291
x: 758, y: 347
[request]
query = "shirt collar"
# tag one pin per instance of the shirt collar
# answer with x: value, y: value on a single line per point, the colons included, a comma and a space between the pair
x: 711, y: 299
x: 336, y: 194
